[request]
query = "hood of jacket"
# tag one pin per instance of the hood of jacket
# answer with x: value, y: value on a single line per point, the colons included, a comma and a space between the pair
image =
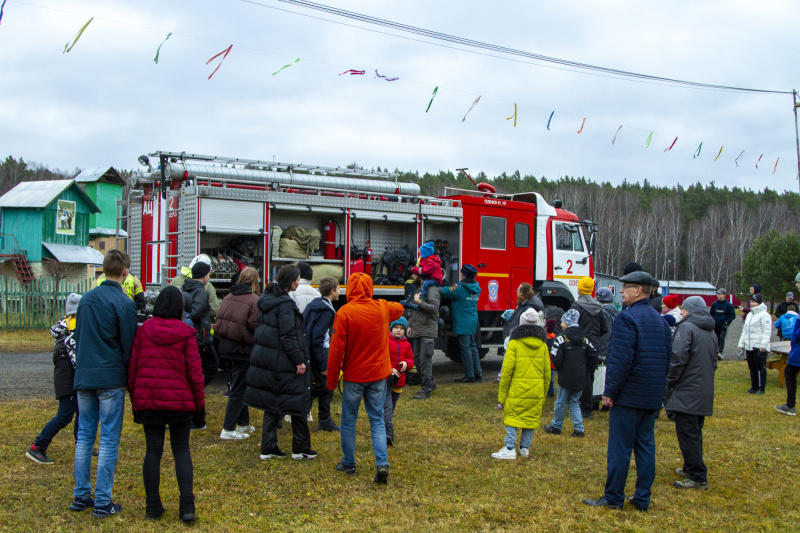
x: 589, y: 304
x: 192, y: 286
x: 535, y: 302
x: 575, y: 335
x: 611, y: 309
x: 319, y: 304
x: 760, y: 308
x: 359, y: 287
x: 472, y: 286
x: 269, y: 300
x: 701, y: 318
x: 241, y: 288
x: 167, y: 331
x: 527, y: 330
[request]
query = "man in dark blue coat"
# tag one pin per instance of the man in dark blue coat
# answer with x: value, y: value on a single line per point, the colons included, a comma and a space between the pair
x: 104, y: 332
x: 636, y: 374
x: 723, y: 313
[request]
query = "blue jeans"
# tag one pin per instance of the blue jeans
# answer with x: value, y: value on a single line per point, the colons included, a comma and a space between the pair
x: 374, y: 394
x: 67, y: 409
x: 469, y: 355
x: 630, y: 430
x: 107, y: 408
x: 524, y: 440
x: 571, y: 400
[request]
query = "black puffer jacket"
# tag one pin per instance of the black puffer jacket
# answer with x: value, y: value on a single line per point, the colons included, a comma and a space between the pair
x: 279, y: 346
x: 572, y: 355
x: 201, y: 311
x: 534, y: 302
x: 591, y: 319
x: 690, y: 380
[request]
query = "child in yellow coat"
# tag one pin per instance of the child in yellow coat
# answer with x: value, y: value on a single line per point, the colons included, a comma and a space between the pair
x: 524, y: 381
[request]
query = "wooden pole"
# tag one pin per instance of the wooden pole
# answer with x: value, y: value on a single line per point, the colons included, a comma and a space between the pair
x: 796, y: 134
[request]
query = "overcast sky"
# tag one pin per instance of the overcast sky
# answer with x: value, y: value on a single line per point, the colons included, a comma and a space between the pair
x: 106, y: 101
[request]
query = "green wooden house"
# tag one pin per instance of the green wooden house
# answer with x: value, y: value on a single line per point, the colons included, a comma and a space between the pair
x: 103, y: 186
x: 47, y: 221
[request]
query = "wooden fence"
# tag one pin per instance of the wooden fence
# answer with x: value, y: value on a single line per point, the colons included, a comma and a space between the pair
x: 38, y: 305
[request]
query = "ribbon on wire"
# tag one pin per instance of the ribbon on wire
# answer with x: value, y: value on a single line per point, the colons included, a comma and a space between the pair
x: 286, y: 66
x: 697, y: 152
x: 478, y: 99
x: 158, y: 51
x: 226, y: 52
x: 671, y: 145
x: 759, y: 160
x: 776, y: 165
x: 514, y: 116
x: 738, y: 158
x: 1, y: 10
x: 582, y: 125
x: 549, y: 119
x: 353, y: 72
x: 615, y: 135
x: 68, y: 47
x: 384, y: 77
x: 649, y: 138
x: 432, y: 97
x: 720, y: 151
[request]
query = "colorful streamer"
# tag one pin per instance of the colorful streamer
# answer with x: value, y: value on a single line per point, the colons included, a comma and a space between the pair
x: 738, y: 158
x: 776, y: 165
x: 759, y: 160
x: 286, y: 66
x: 549, y: 119
x: 720, y: 151
x: 1, y: 10
x: 514, y: 116
x: 432, y: 97
x: 478, y: 99
x: 582, y: 125
x: 353, y: 72
x: 615, y: 135
x: 68, y: 47
x: 226, y: 52
x: 649, y: 138
x: 385, y: 77
x: 671, y: 145
x: 697, y: 152
x: 160, y: 45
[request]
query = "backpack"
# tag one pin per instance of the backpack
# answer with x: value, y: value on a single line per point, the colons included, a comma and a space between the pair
x: 395, y: 266
x: 308, y: 238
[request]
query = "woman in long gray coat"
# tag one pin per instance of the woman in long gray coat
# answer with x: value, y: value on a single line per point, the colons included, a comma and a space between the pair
x: 689, y: 395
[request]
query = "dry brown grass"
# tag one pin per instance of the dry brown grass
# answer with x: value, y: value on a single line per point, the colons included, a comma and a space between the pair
x: 25, y: 340
x: 442, y: 476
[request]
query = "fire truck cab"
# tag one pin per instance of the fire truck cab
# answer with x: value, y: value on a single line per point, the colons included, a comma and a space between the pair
x: 234, y: 210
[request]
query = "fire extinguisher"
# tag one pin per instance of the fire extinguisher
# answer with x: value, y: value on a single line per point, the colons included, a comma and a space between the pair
x: 330, y: 240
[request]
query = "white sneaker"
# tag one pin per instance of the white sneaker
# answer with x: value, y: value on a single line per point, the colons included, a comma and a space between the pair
x: 309, y: 418
x: 287, y: 418
x: 505, y: 453
x: 524, y: 452
x: 245, y: 429
x: 233, y: 435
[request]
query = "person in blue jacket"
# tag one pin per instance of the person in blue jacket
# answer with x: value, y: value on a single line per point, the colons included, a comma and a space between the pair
x: 104, y: 333
x: 464, y: 296
x: 792, y: 368
x: 723, y: 313
x: 318, y: 319
x: 636, y: 374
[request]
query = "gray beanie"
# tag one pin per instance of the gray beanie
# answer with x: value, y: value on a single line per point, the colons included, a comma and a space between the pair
x: 570, y: 318
x: 72, y: 303
x: 604, y: 295
x: 694, y: 303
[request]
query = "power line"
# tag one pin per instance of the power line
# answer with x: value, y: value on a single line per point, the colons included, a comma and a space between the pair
x: 585, y: 67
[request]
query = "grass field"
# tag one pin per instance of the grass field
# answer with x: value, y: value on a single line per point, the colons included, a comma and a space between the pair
x: 442, y: 476
x: 26, y: 340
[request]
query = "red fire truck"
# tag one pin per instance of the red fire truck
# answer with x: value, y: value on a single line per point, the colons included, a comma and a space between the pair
x: 183, y: 204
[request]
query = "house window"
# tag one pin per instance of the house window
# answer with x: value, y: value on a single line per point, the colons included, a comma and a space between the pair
x: 102, y: 245
x: 521, y: 235
x: 493, y: 233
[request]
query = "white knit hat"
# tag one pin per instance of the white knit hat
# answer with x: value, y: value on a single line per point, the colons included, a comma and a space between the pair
x: 529, y: 318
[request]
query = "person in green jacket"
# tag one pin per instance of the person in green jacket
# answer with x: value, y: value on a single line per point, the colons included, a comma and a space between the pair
x: 464, y: 308
x: 524, y: 381
x: 186, y: 273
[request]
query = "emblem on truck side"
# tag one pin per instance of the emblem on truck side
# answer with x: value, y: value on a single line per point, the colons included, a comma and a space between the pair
x: 494, y: 288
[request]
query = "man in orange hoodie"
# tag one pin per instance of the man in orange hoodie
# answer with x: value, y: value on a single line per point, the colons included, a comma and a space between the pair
x: 360, y: 350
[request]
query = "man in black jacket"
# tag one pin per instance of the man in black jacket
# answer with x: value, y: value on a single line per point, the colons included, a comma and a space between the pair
x: 783, y: 307
x: 318, y: 319
x: 593, y: 323
x: 689, y: 395
x: 201, y: 319
x: 723, y: 313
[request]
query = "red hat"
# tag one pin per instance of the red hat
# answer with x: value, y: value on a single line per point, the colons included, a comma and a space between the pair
x: 671, y: 301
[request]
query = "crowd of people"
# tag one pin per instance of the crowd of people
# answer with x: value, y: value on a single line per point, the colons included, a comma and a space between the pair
x: 288, y: 345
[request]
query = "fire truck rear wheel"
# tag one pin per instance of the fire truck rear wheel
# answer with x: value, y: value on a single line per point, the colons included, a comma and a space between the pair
x: 553, y: 312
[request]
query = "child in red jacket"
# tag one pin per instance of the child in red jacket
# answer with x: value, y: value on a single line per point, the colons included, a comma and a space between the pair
x: 402, y: 358
x: 165, y: 382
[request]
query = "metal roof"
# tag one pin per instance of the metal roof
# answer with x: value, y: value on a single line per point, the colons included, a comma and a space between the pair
x: 689, y: 285
x: 68, y: 253
x: 40, y: 194
x: 104, y: 174
x: 107, y: 231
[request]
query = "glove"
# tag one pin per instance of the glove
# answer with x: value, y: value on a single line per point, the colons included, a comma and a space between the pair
x: 199, y: 418
x: 507, y: 314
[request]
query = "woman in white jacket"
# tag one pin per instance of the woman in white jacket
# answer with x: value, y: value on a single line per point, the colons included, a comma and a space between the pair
x: 304, y: 293
x: 755, y: 342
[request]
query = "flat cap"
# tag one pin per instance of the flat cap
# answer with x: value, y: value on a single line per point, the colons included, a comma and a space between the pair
x: 638, y: 278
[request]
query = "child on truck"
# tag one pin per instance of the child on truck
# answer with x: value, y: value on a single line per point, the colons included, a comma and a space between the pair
x: 430, y: 268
